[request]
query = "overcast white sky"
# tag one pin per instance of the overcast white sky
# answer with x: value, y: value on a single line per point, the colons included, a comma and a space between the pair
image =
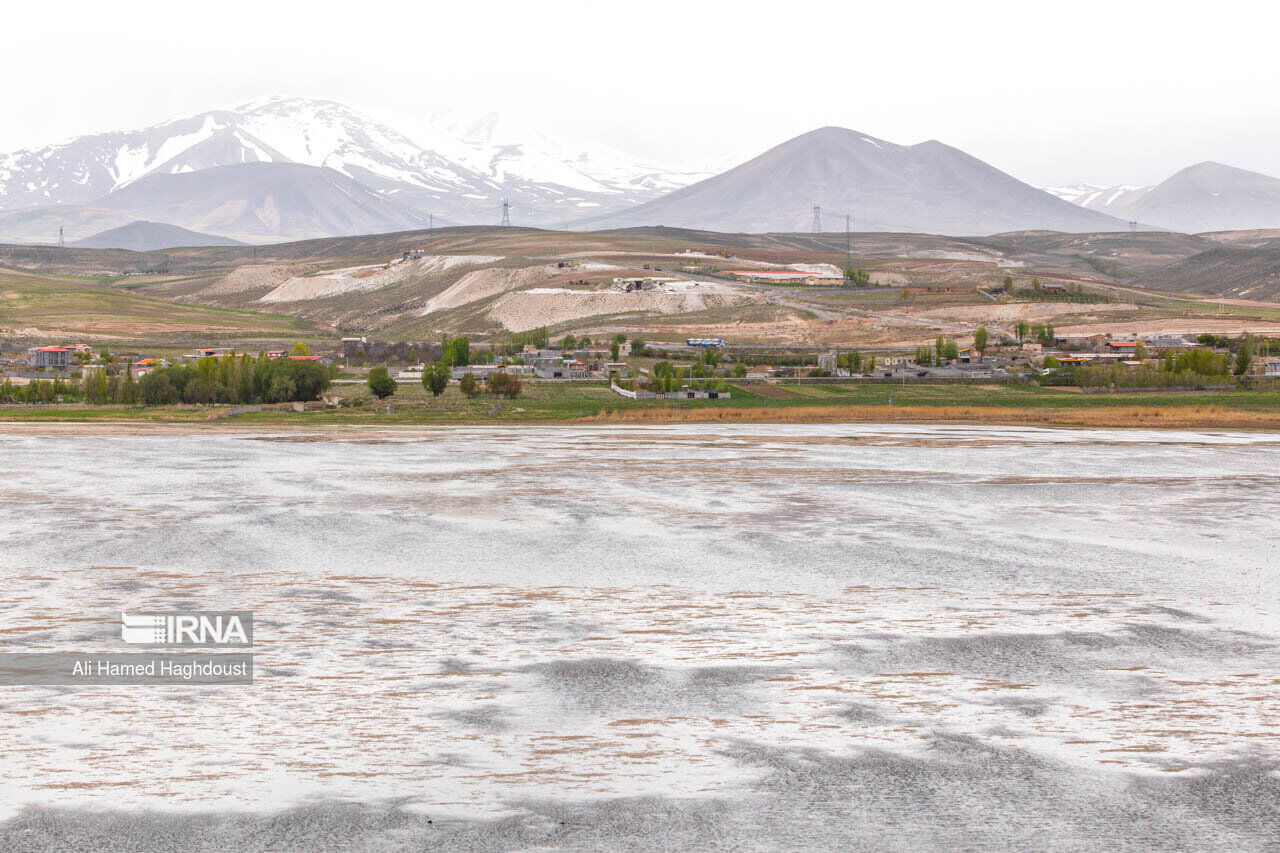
x: 1106, y: 92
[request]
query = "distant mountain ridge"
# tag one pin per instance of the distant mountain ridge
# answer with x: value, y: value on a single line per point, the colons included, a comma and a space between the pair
x: 455, y: 176
x: 1201, y: 198
x: 251, y: 201
x: 334, y: 171
x: 929, y: 187
x: 142, y: 236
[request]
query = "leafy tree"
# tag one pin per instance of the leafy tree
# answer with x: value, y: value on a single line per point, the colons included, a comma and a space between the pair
x: 128, y: 394
x: 637, y: 347
x: 1244, y: 355
x: 381, y: 383
x: 457, y: 352
x: 300, y: 349
x: 857, y: 277
x: 468, y: 385
x: 503, y: 384
x: 435, y: 378
x: 1021, y: 329
x: 980, y: 340
x: 1139, y: 350
x: 740, y: 370
x: 568, y: 342
x: 283, y: 388
x: 1008, y: 283
x: 615, y: 349
x: 156, y: 389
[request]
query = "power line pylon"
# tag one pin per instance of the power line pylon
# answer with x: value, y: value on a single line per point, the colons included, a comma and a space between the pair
x: 506, y: 212
x: 1133, y: 225
x: 62, y: 244
x: 817, y: 219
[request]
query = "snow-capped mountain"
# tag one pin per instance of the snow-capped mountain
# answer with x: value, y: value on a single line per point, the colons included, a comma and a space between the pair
x: 505, y: 150
x: 1205, y: 197
x: 460, y: 174
x: 1115, y: 200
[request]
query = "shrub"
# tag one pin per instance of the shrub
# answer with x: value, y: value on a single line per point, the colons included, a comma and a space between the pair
x: 435, y: 378
x: 503, y: 384
x: 381, y: 383
x: 468, y: 385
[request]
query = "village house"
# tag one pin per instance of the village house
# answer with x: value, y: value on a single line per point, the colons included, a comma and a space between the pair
x: 1122, y: 347
x: 51, y: 358
x: 352, y: 347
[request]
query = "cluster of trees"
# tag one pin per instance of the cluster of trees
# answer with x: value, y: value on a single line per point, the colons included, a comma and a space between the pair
x: 229, y: 380
x: 456, y: 351
x: 1041, y: 334
x: 435, y: 378
x: 854, y: 362
x: 499, y: 384
x: 857, y: 277
x: 1036, y: 293
x: 1187, y: 369
x: 519, y: 340
x: 39, y: 391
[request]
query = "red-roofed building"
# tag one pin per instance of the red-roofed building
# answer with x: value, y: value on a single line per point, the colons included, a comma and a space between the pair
x: 52, y: 358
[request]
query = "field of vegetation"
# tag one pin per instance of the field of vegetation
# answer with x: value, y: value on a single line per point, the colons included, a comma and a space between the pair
x: 765, y: 403
x: 70, y: 306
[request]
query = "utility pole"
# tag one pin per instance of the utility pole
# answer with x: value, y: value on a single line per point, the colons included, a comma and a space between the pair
x: 506, y: 211
x: 817, y: 219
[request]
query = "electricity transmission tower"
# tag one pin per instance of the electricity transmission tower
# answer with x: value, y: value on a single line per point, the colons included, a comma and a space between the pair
x: 817, y: 219
x: 506, y: 211
x: 62, y: 244
x: 1133, y: 225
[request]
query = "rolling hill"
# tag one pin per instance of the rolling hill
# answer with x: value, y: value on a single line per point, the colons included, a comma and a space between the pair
x: 929, y: 187
x: 259, y: 201
x: 1201, y: 198
x: 142, y: 236
x: 1211, y: 197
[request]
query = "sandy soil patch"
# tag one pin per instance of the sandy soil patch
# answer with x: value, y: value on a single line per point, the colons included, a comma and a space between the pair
x: 528, y: 310
x: 1177, y: 326
x: 482, y: 284
x: 1014, y: 311
x: 352, y: 279
x: 256, y: 277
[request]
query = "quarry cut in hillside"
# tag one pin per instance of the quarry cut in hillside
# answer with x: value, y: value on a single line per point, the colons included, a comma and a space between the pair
x: 484, y: 284
x: 550, y: 306
x: 352, y: 279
